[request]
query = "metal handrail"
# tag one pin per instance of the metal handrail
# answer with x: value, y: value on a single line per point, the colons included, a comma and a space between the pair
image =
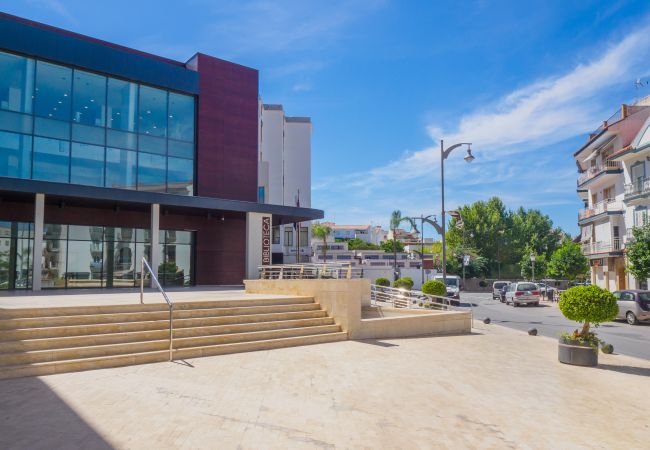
x: 402, y: 298
x: 309, y: 271
x: 144, y: 264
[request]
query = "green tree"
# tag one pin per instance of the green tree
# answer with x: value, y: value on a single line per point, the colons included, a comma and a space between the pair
x: 568, y: 262
x: 587, y: 305
x: 396, y: 220
x: 526, y: 266
x: 638, y: 253
x: 358, y: 244
x: 320, y: 231
x: 390, y: 246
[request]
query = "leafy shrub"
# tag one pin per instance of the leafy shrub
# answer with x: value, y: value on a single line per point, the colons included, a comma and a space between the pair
x: 587, y: 305
x: 434, y: 287
x: 403, y: 283
x: 382, y: 282
x: 482, y: 283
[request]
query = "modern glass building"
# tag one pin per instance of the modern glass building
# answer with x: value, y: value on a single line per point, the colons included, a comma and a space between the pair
x: 107, y: 153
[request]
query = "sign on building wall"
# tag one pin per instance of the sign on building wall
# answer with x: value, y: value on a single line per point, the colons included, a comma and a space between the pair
x: 266, y: 240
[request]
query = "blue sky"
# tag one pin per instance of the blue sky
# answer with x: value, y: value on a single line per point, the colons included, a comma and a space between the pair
x: 384, y: 80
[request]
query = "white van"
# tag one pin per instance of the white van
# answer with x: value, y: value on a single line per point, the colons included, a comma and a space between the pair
x: 453, y: 285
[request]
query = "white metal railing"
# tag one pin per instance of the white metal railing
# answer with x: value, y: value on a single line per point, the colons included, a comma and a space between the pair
x: 595, y: 170
x: 309, y: 271
x: 599, y: 208
x: 602, y: 246
x: 144, y: 264
x: 402, y: 298
x: 641, y: 186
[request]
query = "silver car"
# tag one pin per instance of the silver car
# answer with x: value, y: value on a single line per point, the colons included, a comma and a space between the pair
x: 522, y: 293
x: 496, y: 289
x: 633, y: 305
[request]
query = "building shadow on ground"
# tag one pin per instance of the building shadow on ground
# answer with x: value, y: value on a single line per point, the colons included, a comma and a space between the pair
x: 34, y: 417
x: 641, y: 371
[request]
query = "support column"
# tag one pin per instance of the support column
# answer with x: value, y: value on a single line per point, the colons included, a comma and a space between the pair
x: 155, y: 238
x: 258, y: 243
x: 37, y: 251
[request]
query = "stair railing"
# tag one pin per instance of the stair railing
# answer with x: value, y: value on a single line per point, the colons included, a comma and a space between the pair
x: 144, y: 264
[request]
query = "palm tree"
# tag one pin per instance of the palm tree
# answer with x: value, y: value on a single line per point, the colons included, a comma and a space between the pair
x: 321, y: 231
x: 395, y: 221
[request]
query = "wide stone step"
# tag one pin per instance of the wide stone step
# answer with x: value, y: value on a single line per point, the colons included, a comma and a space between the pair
x: 90, y: 319
x: 219, y: 339
x: 197, y: 352
x: 37, y: 356
x: 75, y: 365
x: 246, y: 327
x: 94, y: 329
x: 12, y: 313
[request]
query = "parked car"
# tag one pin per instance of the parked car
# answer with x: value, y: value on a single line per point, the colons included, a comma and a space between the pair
x: 633, y: 305
x: 496, y: 289
x: 545, y: 290
x: 522, y: 293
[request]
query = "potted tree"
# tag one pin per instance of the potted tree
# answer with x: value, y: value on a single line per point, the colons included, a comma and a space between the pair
x: 587, y: 305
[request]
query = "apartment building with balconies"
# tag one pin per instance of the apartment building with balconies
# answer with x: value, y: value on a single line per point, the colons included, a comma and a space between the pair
x: 609, y: 173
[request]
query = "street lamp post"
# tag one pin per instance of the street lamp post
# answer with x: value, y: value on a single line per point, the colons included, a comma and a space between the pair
x: 444, y: 154
x: 533, y: 258
x: 422, y: 220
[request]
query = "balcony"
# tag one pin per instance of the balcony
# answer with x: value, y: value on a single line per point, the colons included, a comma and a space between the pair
x: 640, y: 187
x: 599, y: 247
x: 592, y: 172
x: 609, y: 205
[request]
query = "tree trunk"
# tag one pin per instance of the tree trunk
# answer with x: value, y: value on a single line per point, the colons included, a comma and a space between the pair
x: 585, y: 329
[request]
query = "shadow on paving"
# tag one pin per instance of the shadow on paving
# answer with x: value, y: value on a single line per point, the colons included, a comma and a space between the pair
x: 641, y: 371
x: 34, y: 417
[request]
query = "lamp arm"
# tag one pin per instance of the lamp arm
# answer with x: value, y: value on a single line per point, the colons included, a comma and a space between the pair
x: 446, y: 153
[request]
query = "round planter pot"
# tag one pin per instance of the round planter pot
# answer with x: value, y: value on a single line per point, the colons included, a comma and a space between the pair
x: 570, y: 351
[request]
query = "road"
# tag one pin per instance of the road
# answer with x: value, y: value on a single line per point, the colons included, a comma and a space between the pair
x: 632, y: 340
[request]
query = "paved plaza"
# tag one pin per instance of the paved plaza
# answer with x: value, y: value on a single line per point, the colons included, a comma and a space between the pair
x: 496, y: 388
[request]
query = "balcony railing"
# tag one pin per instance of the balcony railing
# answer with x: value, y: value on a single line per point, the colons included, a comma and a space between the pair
x: 641, y: 186
x: 600, y: 208
x: 595, y: 170
x: 602, y: 247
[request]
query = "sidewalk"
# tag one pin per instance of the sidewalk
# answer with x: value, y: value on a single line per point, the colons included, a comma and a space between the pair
x: 496, y: 388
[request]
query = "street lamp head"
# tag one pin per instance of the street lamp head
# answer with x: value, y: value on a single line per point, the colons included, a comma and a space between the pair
x: 469, y: 157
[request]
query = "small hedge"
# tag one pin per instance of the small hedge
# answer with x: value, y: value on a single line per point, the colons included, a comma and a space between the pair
x: 434, y: 287
x: 482, y: 283
x: 403, y: 283
x: 588, y: 305
x: 382, y: 282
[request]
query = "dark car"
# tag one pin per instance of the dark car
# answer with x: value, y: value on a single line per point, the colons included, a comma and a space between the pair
x: 633, y: 305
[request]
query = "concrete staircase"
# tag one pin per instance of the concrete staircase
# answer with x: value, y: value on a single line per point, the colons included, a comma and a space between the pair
x: 42, y: 341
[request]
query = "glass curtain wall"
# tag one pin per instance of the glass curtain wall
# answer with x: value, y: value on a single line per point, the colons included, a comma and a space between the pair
x: 76, y: 256
x: 67, y: 125
x: 16, y: 242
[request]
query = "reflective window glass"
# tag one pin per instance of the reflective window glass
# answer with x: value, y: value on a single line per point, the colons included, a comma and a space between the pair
x: 152, y: 144
x: 51, y: 160
x: 151, y: 172
x: 52, y: 93
x: 85, y: 233
x: 153, y: 111
x: 54, y: 256
x: 52, y: 128
x: 122, y: 139
x: 87, y: 164
x: 89, y: 99
x: 15, y: 155
x: 84, y: 268
x: 12, y: 121
x: 180, y: 176
x: 119, y: 264
x: 16, y: 83
x: 122, y: 105
x: 120, y: 168
x: 181, y: 117
x: 182, y: 149
x: 88, y: 134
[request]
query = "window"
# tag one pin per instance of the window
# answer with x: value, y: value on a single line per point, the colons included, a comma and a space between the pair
x: 180, y: 176
x: 89, y: 99
x: 152, y: 113
x: 151, y: 172
x: 16, y: 83
x: 304, y: 237
x: 51, y: 160
x: 181, y: 117
x: 87, y: 164
x: 288, y: 236
x: 260, y: 194
x: 15, y: 155
x: 275, y: 231
x: 122, y: 105
x: 120, y: 168
x: 640, y: 216
x: 53, y: 89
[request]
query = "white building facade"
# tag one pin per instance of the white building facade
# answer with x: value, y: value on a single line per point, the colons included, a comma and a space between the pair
x: 612, y: 183
x: 284, y: 177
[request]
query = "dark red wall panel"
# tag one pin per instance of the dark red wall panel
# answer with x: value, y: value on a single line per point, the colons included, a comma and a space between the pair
x: 227, y: 130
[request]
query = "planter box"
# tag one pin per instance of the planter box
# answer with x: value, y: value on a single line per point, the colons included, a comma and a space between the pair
x: 571, y: 351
